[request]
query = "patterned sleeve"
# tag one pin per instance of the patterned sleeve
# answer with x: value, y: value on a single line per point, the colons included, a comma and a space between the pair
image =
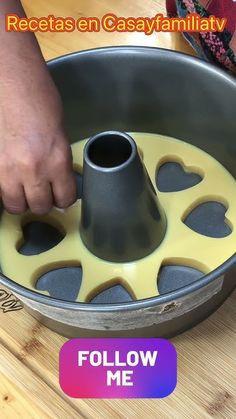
x: 217, y: 47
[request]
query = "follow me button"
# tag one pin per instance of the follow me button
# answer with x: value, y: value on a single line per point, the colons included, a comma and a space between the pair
x: 118, y: 368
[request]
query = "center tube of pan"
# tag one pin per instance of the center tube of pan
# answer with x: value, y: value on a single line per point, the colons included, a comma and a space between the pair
x: 122, y: 219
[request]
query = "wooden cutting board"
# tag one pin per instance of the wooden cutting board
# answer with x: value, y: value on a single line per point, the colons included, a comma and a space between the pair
x: 29, y: 385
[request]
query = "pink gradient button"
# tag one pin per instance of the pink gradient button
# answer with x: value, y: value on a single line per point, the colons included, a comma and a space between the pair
x: 118, y: 368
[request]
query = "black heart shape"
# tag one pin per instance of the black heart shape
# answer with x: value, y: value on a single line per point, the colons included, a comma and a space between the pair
x: 62, y: 283
x: 208, y: 219
x: 173, y: 277
x: 114, y: 294
x: 39, y: 237
x: 171, y: 177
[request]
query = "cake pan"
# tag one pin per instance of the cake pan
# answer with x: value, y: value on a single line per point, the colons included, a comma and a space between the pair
x: 140, y: 89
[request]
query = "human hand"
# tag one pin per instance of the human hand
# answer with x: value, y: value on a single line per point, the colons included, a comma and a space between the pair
x: 35, y: 156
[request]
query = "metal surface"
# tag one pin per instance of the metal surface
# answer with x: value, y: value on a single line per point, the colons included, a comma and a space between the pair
x: 158, y: 91
x: 122, y: 220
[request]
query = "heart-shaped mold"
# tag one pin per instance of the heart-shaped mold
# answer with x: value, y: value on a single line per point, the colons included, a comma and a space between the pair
x: 208, y: 218
x: 114, y: 294
x: 173, y: 177
x: 39, y: 237
x: 173, y: 277
x: 62, y: 283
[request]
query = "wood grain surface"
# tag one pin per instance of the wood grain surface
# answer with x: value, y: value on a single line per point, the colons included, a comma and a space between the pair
x: 29, y: 386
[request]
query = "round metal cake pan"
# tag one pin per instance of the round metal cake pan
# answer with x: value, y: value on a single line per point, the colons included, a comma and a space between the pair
x: 140, y: 89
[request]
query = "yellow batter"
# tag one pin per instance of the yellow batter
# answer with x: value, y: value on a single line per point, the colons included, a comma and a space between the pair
x: 181, y: 245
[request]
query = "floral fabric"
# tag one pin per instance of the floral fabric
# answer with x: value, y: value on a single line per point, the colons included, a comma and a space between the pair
x: 218, y: 47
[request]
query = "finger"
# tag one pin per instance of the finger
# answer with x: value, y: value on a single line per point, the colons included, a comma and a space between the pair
x: 14, y: 199
x: 39, y: 198
x: 64, y: 189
